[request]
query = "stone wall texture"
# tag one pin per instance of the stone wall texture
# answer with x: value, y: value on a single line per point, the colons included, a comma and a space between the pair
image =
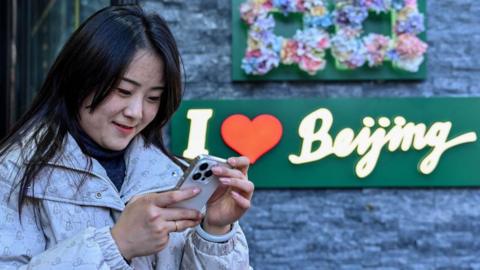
x: 354, y: 228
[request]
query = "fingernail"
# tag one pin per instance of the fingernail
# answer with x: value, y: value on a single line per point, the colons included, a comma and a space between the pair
x: 232, y: 161
x: 196, y: 190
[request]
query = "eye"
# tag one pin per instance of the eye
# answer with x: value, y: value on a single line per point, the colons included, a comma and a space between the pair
x: 124, y: 92
x: 154, y: 99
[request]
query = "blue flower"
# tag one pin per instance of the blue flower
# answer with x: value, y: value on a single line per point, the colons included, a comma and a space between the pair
x: 356, y: 60
x: 379, y: 5
x: 310, y: 21
x: 248, y: 65
x: 393, y: 55
x: 398, y: 4
x: 285, y: 6
x: 413, y: 25
x: 264, y: 23
x: 351, y: 16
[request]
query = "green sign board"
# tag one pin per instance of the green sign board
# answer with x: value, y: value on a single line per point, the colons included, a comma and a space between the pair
x: 328, y: 40
x: 338, y: 143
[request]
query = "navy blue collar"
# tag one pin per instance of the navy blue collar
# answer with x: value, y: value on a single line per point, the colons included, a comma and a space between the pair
x: 112, y: 161
x: 96, y: 151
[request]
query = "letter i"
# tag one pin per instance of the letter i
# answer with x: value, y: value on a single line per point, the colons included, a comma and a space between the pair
x: 198, y: 132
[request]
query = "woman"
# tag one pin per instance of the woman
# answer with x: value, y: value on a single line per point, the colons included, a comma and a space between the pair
x: 73, y: 166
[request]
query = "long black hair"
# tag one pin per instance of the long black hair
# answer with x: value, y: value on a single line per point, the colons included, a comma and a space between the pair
x: 92, y: 61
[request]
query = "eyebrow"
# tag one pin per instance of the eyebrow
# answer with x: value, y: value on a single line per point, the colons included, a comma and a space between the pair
x: 139, y: 84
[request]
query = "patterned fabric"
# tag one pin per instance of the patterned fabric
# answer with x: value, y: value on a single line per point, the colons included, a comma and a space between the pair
x: 76, y: 222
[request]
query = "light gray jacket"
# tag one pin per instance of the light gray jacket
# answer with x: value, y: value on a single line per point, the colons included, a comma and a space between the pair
x: 76, y: 222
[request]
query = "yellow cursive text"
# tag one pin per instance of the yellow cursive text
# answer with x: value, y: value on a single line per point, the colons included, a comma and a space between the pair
x: 369, y: 142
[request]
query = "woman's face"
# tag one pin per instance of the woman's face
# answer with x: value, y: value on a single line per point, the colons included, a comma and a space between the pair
x: 131, y: 105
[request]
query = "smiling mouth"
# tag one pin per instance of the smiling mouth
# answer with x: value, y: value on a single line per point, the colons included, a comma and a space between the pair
x: 123, y: 126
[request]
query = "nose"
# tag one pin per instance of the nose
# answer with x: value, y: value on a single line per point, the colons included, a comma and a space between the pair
x: 134, y: 109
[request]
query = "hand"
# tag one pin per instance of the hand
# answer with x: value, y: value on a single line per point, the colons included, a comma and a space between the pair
x: 232, y: 198
x: 144, y: 226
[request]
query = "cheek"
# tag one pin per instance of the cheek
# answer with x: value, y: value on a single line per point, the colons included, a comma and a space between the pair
x: 101, y: 116
x: 113, y: 110
x: 94, y: 122
x: 100, y: 119
x: 86, y: 118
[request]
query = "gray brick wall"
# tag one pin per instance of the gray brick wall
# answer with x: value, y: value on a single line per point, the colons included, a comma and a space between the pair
x: 355, y: 228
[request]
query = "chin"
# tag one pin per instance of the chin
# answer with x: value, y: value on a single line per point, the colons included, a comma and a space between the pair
x: 117, y: 146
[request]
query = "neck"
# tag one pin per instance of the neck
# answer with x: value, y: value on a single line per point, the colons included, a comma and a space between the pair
x: 95, y: 150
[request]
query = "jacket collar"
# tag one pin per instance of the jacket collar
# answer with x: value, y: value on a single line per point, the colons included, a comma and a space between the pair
x: 148, y: 170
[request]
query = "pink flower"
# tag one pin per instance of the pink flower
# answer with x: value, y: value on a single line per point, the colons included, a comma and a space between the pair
x: 411, y: 3
x: 311, y: 65
x: 250, y: 11
x: 300, y: 6
x: 268, y: 4
x: 289, y: 52
x: 410, y: 46
x: 253, y: 53
x: 323, y: 43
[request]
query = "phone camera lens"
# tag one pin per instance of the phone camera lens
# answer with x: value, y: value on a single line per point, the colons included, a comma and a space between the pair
x: 203, y: 166
x: 197, y: 176
x: 208, y: 173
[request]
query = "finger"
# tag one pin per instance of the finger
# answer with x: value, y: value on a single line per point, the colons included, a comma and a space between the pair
x: 179, y: 213
x: 134, y: 198
x: 245, y: 186
x: 182, y: 225
x: 240, y: 200
x: 227, y: 172
x: 221, y: 189
x: 242, y: 163
x: 166, y: 198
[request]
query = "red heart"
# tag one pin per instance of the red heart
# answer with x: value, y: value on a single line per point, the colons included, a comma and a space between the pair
x: 251, y: 138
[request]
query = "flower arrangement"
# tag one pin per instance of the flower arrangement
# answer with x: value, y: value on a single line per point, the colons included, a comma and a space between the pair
x: 307, y: 49
x: 265, y: 51
x: 376, y: 49
x: 407, y: 49
x: 348, y: 49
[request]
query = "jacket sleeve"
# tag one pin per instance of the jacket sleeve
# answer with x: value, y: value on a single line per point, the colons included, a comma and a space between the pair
x: 202, y: 254
x: 23, y: 244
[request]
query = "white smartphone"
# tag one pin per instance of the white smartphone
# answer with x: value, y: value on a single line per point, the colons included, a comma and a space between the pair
x: 199, y: 174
